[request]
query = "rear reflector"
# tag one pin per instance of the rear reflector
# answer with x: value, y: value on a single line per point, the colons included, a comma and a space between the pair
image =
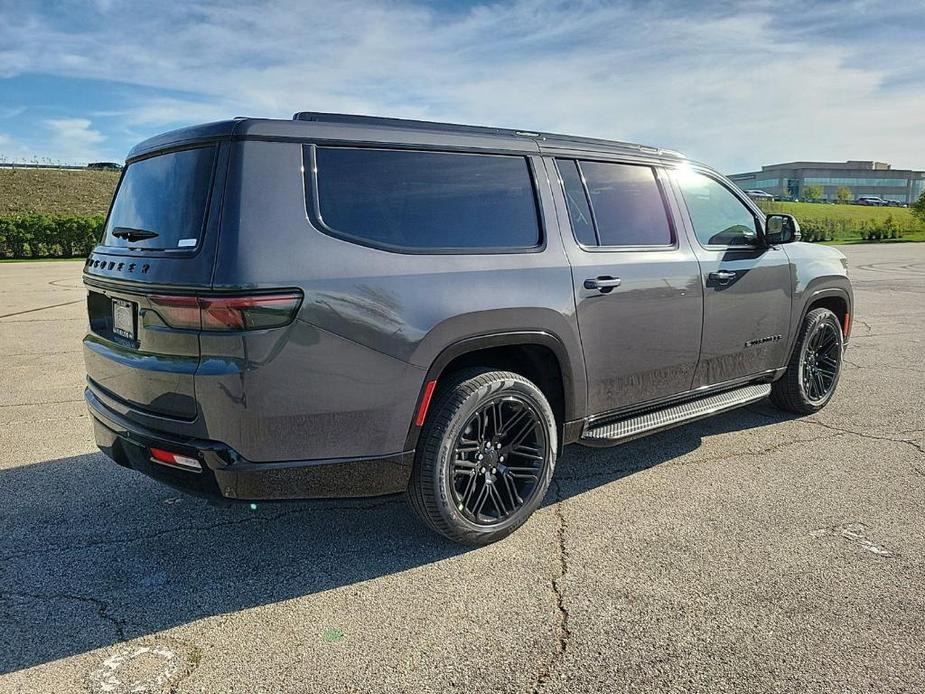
x: 256, y: 312
x: 158, y: 455
x: 847, y: 325
x: 425, y: 403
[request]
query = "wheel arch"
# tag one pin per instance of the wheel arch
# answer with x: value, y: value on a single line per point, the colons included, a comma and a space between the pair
x: 837, y: 302
x: 837, y: 299
x: 537, y: 355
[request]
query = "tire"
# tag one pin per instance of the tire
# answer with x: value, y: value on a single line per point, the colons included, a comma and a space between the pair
x: 812, y: 373
x: 478, y: 412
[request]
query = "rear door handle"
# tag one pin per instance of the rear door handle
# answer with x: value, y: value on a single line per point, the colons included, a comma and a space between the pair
x: 722, y: 276
x: 603, y: 284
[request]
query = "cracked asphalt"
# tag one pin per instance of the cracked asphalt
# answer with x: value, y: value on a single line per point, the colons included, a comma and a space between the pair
x: 753, y: 552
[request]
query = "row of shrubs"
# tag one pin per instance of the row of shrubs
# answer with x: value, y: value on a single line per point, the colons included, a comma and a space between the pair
x: 55, y: 236
x: 815, y: 230
x: 49, y: 236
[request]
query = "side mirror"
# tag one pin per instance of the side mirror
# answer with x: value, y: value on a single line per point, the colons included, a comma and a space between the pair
x: 781, y: 228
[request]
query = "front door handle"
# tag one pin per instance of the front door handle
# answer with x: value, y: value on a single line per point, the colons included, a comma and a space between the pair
x: 603, y: 284
x: 723, y: 276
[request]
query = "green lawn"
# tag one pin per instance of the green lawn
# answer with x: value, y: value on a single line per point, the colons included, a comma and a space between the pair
x: 849, y: 223
x: 856, y: 213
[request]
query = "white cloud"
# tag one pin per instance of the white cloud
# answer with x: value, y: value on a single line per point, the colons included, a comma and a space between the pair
x: 72, y: 140
x: 769, y: 82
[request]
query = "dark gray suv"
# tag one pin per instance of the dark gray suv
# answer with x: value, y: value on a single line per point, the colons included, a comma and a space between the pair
x: 353, y: 306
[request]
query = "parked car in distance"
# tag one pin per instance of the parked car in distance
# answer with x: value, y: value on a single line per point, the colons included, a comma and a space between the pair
x: 104, y: 166
x: 871, y: 200
x: 759, y: 195
x: 355, y: 306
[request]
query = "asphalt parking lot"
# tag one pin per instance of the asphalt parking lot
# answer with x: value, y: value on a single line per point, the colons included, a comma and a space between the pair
x: 753, y: 552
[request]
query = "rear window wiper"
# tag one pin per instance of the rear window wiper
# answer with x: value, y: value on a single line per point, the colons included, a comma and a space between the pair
x: 133, y: 234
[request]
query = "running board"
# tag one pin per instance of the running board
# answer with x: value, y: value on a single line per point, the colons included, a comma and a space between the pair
x: 613, y: 432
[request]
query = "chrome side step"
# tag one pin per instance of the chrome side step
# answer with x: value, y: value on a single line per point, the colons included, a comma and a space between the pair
x: 613, y: 432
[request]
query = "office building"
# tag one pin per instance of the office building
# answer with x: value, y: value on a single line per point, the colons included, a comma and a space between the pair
x: 861, y: 178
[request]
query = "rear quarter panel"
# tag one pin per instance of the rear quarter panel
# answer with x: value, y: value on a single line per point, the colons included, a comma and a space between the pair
x: 346, y: 377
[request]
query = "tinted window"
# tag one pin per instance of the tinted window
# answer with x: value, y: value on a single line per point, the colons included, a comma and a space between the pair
x: 718, y: 216
x: 627, y: 204
x: 165, y: 195
x: 427, y: 200
x: 577, y: 201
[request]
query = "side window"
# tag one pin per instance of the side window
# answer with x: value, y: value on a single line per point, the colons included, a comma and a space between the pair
x: 577, y: 202
x: 626, y: 206
x: 627, y: 203
x: 718, y: 216
x: 426, y: 200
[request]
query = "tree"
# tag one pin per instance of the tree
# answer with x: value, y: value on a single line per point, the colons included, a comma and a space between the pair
x: 812, y: 192
x: 844, y: 194
x: 918, y: 207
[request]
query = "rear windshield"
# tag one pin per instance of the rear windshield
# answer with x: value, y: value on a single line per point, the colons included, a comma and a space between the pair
x: 161, y: 201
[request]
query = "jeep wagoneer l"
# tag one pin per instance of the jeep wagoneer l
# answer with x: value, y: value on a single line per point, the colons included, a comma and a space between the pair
x: 354, y: 306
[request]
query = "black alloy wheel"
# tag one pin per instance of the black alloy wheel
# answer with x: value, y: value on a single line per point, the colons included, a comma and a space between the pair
x: 821, y: 362
x: 812, y: 373
x: 485, y: 456
x: 499, y: 460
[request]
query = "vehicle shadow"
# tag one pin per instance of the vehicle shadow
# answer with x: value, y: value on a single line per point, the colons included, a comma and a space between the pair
x: 93, y: 554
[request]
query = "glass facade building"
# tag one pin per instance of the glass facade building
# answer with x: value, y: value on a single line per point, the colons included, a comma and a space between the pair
x: 860, y: 178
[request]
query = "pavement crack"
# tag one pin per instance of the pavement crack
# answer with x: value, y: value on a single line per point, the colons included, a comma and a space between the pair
x: 45, y: 419
x: 41, y: 404
x: 882, y: 367
x: 41, y: 308
x: 141, y: 537
x: 102, y: 607
x: 844, y: 430
x: 563, y: 632
x: 773, y: 448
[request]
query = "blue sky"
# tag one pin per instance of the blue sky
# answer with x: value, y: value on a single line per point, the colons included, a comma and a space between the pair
x: 735, y: 84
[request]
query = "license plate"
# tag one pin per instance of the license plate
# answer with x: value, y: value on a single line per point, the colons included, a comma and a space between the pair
x: 123, y: 318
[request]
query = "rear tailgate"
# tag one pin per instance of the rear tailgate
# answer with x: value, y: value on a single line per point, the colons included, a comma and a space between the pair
x: 160, y: 238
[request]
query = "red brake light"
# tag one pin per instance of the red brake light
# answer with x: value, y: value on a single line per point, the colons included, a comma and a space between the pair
x: 256, y: 312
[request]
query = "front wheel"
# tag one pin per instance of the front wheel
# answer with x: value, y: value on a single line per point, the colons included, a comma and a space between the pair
x: 485, y: 457
x: 815, y: 365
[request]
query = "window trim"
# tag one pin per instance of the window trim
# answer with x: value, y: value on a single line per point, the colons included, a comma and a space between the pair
x: 657, y: 173
x: 565, y: 196
x: 313, y: 210
x: 746, y: 203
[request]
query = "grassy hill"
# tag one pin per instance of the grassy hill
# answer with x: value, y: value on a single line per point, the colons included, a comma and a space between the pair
x: 56, y: 191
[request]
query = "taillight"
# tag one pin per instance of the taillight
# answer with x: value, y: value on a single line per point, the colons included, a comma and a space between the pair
x: 178, y: 311
x: 256, y: 312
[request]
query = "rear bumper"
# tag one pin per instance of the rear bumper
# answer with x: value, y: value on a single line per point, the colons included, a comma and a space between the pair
x: 225, y: 474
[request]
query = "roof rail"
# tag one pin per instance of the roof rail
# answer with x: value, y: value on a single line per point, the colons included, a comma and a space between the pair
x: 408, y: 123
